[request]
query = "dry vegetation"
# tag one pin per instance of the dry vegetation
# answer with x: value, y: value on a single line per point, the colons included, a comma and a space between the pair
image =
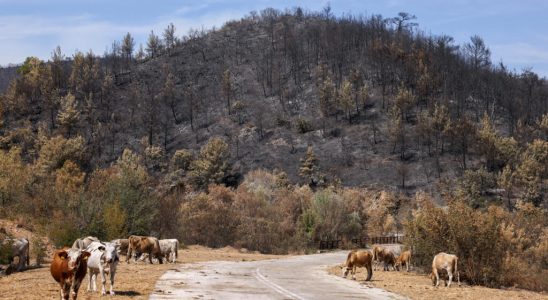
x: 135, y: 281
x: 416, y: 286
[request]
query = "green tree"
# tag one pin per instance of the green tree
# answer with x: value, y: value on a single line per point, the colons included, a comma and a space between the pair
x: 345, y: 99
x: 212, y: 164
x: 69, y: 115
x: 309, y: 168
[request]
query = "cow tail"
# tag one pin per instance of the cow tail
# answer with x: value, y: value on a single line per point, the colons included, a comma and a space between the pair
x: 348, y: 258
x: 28, y: 254
x: 177, y: 250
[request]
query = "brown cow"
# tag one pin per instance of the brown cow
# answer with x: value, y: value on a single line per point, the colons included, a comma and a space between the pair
x: 144, y: 244
x: 123, y: 245
x: 68, y: 268
x: 377, y: 252
x: 404, y: 259
x: 355, y: 259
x: 388, y: 259
x: 443, y: 261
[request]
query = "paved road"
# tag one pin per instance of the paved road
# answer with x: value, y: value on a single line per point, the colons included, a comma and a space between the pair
x: 298, y: 277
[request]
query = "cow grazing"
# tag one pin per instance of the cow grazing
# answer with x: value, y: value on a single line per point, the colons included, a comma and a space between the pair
x: 388, y: 259
x: 20, y: 249
x: 103, y: 260
x: 443, y: 261
x: 144, y: 244
x: 404, y: 259
x: 68, y: 268
x: 355, y: 259
x: 83, y: 243
x: 169, y: 248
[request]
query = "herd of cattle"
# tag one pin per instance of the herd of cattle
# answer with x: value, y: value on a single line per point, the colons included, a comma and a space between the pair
x: 378, y: 255
x: 69, y: 266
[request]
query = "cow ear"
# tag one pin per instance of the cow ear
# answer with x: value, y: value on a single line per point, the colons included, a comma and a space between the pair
x: 62, y: 254
x: 85, y: 255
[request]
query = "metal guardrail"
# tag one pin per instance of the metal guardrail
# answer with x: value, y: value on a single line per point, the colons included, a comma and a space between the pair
x: 362, y: 242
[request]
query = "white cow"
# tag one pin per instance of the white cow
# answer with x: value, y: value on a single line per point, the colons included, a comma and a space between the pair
x: 19, y: 248
x: 83, y: 243
x: 169, y: 249
x: 103, y: 260
x: 443, y: 261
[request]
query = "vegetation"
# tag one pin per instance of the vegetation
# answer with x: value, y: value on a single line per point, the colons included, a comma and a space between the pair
x: 280, y: 130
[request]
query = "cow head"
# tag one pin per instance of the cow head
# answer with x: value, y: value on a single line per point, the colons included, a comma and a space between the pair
x: 111, y: 252
x: 433, y: 278
x: 75, y: 257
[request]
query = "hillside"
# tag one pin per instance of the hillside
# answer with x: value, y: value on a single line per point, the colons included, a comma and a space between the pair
x: 278, y: 65
x: 283, y: 129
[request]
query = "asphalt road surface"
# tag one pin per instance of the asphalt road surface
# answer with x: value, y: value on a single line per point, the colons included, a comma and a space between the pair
x: 298, y: 277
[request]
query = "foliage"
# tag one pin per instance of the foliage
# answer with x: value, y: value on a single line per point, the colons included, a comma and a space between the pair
x: 212, y: 164
x: 488, y: 243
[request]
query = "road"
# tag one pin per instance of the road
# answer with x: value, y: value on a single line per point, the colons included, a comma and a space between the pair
x: 297, y: 277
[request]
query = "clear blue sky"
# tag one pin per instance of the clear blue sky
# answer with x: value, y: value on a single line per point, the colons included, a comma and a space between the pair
x: 516, y: 31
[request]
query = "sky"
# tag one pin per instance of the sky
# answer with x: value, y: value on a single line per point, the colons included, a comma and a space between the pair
x: 515, y: 31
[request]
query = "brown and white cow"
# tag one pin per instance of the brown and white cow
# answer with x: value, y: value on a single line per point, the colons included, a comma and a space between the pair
x: 443, y: 261
x: 68, y: 268
x: 355, y: 259
x: 144, y: 244
x: 404, y: 259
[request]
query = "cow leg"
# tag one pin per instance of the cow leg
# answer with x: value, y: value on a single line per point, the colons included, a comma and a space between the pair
x: 450, y: 273
x: 89, y: 280
x: 129, y: 250
x: 112, y: 271
x: 369, y: 272
x: 103, y: 281
x: 437, y: 277
x: 75, y: 289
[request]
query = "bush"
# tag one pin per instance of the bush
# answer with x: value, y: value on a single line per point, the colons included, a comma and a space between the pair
x: 491, y: 245
x: 304, y: 126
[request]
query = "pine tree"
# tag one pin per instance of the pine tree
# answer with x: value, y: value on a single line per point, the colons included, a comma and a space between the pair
x: 345, y: 98
x: 128, y: 45
x: 212, y: 164
x: 69, y: 115
x: 170, y: 39
x: 153, y: 45
x: 309, y: 167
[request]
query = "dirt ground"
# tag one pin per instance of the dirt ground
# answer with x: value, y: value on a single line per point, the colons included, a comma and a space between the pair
x: 134, y: 280
x: 417, y: 286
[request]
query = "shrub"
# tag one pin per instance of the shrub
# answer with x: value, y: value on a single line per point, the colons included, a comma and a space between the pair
x: 304, y: 126
x: 491, y: 245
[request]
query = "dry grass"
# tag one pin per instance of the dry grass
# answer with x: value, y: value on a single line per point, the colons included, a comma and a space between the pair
x: 135, y: 281
x: 417, y: 286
